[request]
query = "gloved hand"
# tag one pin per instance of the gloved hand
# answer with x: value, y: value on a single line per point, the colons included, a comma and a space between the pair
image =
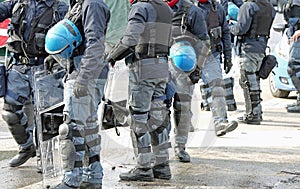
x: 195, y: 75
x: 107, y: 58
x: 227, y: 65
x: 49, y: 61
x: 80, y: 90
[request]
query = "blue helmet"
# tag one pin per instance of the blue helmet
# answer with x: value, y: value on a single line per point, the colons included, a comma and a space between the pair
x: 63, y: 38
x: 183, y: 56
x: 233, y: 11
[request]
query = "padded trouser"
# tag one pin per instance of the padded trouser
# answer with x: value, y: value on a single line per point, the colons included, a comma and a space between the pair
x: 82, y: 113
x: 229, y: 95
x: 250, y: 63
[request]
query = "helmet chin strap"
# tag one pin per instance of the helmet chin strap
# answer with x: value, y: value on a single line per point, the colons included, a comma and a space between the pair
x: 132, y: 1
x: 172, y: 3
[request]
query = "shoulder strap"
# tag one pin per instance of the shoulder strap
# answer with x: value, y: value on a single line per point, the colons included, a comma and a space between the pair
x: 186, y: 9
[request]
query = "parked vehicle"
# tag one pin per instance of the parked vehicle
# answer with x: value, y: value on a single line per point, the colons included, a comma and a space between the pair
x: 280, y: 82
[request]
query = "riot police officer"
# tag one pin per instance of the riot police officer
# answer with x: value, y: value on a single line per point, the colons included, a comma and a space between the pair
x: 78, y: 40
x: 292, y: 16
x: 220, y: 41
x: 188, y: 24
x: 146, y: 41
x: 253, y: 29
x: 30, y: 20
x: 221, y: 44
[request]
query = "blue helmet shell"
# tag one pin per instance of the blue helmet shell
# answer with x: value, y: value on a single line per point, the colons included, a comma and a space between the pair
x: 63, y: 38
x: 183, y: 56
x: 233, y: 11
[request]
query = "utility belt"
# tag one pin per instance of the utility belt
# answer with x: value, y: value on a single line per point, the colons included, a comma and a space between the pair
x: 257, y: 37
x: 151, y: 68
x: 35, y: 61
x: 141, y: 57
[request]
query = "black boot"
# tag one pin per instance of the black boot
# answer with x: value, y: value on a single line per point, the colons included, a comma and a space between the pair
x: 138, y: 174
x: 162, y: 171
x: 225, y: 127
x: 294, y: 109
x: 22, y: 156
x: 183, y: 156
x: 250, y: 119
x: 63, y: 185
x: 87, y: 185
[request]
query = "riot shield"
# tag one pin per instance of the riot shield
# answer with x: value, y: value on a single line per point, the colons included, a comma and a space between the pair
x: 49, y: 115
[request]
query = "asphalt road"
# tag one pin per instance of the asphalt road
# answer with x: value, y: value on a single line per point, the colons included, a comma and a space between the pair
x: 253, y: 156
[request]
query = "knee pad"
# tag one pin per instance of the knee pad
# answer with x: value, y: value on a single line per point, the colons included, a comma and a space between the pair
x: 218, y: 92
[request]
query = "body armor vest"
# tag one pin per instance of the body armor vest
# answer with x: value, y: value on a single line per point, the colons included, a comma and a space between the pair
x: 213, y: 26
x: 155, y: 39
x: 212, y: 19
x: 179, y: 19
x: 261, y: 23
x: 35, y: 46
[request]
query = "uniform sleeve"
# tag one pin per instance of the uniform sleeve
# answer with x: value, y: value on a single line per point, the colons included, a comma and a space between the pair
x: 224, y: 4
x: 62, y: 9
x: 244, y: 20
x: 95, y: 17
x: 226, y: 36
x: 197, y: 23
x: 137, y: 18
x: 6, y: 8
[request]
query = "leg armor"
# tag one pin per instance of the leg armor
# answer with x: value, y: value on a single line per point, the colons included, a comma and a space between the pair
x: 94, y: 172
x: 229, y: 96
x: 218, y: 104
x: 160, y: 144
x: 141, y: 140
x: 294, y: 73
x: 182, y: 117
x: 72, y: 152
x: 251, y: 88
x: 158, y: 124
x: 206, y: 96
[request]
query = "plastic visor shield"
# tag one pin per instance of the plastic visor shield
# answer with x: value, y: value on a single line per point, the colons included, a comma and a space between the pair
x: 183, y: 56
x: 63, y: 38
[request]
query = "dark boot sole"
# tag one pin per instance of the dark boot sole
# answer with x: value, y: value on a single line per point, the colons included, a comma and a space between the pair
x: 23, y: 160
x: 293, y: 111
x: 138, y: 179
x: 232, y: 127
x: 167, y: 177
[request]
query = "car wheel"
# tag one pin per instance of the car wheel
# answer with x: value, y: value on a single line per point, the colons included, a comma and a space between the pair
x: 275, y: 91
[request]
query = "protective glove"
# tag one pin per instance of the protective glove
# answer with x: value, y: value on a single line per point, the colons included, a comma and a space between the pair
x: 80, y: 90
x: 49, y: 61
x: 195, y: 75
x: 227, y: 65
x: 107, y: 58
